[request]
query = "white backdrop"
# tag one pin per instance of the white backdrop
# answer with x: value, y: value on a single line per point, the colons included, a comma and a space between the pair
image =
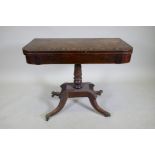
x: 134, y: 81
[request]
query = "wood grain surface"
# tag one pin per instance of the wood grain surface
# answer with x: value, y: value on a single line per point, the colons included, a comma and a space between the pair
x: 77, y: 50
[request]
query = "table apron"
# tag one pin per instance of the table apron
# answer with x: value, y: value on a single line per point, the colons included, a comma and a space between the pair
x: 69, y: 58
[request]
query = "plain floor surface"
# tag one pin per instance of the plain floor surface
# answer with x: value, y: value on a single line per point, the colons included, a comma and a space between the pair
x: 131, y: 104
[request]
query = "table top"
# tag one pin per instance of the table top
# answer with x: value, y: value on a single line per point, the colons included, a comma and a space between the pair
x: 55, y: 45
x: 77, y: 50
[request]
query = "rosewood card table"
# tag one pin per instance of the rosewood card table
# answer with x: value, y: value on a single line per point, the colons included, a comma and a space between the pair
x: 77, y: 51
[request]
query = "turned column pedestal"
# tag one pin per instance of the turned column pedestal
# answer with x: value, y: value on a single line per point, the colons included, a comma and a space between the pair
x: 77, y: 89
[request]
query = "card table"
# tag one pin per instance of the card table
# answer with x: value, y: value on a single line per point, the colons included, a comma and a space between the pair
x: 77, y: 51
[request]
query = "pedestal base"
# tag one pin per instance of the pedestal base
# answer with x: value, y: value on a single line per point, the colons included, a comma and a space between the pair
x: 69, y: 91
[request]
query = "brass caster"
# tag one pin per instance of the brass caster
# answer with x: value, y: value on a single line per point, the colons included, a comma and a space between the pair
x: 47, y: 117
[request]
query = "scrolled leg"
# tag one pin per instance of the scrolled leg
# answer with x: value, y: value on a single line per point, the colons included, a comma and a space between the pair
x: 98, y: 108
x: 63, y: 99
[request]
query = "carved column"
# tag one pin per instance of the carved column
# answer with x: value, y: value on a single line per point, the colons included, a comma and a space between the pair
x: 77, y: 76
